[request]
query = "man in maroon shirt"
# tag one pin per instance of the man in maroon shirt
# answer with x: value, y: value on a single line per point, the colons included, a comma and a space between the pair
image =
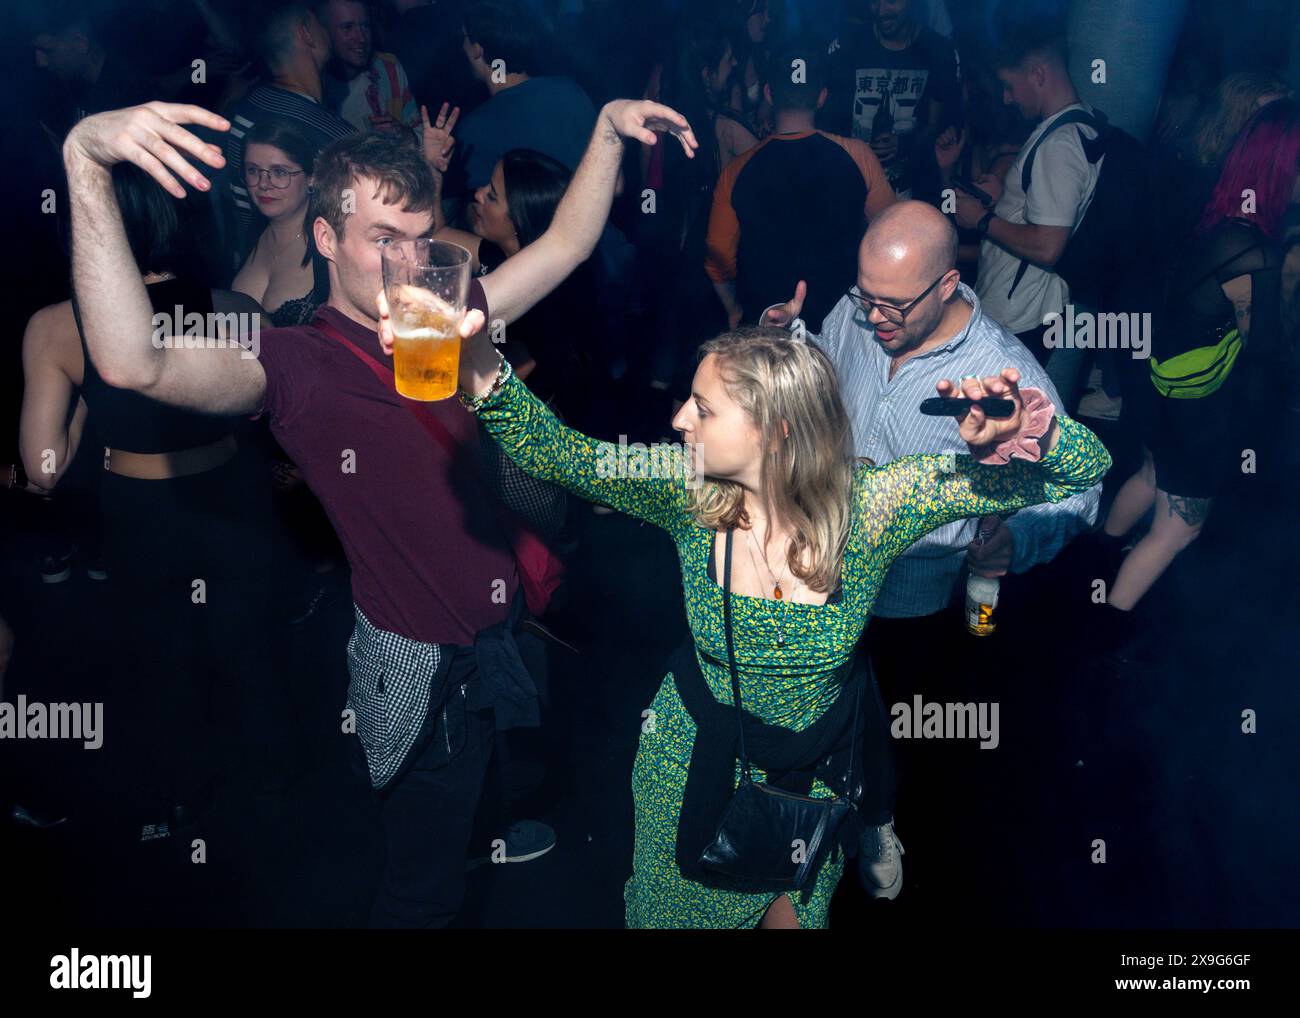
x: 434, y: 669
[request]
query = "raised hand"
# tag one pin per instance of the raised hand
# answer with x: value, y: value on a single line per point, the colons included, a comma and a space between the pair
x: 151, y: 137
x: 976, y: 428
x: 948, y: 147
x: 436, y: 140
x: 643, y: 120
x: 783, y: 314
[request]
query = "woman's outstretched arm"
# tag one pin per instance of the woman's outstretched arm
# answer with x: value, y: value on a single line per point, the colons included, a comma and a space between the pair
x: 650, y: 483
x: 913, y: 495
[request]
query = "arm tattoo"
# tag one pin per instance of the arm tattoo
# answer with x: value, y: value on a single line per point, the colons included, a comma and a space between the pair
x: 1241, y: 309
x: 1192, y: 510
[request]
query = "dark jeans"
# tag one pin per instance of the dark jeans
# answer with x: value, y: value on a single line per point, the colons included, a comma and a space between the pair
x: 929, y: 655
x: 878, y: 777
x: 520, y: 754
x: 428, y: 817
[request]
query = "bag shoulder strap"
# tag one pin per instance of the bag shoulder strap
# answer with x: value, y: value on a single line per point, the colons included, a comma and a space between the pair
x: 431, y: 423
x: 1095, y: 120
x: 731, y: 653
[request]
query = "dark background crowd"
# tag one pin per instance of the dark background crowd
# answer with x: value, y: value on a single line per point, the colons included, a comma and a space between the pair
x: 1127, y: 730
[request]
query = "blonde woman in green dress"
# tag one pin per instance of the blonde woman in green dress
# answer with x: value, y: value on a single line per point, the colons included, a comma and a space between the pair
x: 766, y: 430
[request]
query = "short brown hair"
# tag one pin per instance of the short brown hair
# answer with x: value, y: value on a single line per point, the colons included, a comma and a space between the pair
x: 788, y: 94
x: 395, y: 164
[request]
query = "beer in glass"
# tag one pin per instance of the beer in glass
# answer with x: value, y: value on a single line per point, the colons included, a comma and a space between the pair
x: 426, y: 283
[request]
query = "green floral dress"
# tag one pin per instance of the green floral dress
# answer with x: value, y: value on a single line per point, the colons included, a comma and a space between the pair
x: 790, y: 684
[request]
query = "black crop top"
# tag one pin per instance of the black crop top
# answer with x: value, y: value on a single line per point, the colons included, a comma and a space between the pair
x: 1198, y: 312
x: 134, y: 423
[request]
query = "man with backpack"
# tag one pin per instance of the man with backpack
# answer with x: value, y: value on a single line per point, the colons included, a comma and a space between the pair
x: 1026, y: 276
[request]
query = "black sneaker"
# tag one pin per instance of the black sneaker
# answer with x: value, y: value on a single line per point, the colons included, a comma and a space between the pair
x: 58, y: 567
x: 524, y: 841
x: 95, y: 568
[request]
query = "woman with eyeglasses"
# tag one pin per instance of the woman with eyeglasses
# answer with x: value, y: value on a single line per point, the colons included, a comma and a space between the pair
x: 285, y: 275
x: 281, y: 273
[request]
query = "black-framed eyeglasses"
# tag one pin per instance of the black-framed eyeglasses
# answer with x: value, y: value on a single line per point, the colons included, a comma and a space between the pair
x: 277, y: 175
x: 892, y: 314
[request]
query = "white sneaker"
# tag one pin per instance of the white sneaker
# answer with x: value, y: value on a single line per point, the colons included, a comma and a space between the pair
x: 880, y: 862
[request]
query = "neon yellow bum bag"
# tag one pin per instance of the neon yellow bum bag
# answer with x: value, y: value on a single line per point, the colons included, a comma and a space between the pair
x: 1197, y: 372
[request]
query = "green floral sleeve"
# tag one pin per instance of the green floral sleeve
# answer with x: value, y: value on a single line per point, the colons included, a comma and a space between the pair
x: 906, y: 499
x: 650, y: 483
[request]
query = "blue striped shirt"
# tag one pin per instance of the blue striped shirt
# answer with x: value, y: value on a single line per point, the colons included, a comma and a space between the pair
x: 887, y: 424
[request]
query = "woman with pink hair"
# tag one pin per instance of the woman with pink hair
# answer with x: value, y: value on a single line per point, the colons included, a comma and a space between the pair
x: 1220, y: 326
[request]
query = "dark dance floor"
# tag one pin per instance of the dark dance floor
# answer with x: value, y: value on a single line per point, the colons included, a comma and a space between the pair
x: 1198, y: 819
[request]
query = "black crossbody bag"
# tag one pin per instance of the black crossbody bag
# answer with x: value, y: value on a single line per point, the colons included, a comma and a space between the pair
x: 769, y: 839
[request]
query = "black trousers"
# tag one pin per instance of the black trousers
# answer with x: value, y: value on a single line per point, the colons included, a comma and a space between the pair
x: 427, y: 819
x: 928, y: 655
x: 520, y: 754
x: 196, y: 698
x: 879, y: 780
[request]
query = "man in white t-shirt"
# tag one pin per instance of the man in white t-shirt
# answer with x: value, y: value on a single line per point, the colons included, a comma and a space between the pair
x: 1032, y: 229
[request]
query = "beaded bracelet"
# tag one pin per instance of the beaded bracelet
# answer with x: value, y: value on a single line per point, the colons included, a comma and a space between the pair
x: 475, y: 403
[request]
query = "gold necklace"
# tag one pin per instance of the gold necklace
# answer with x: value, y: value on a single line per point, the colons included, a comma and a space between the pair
x: 776, y: 591
x: 776, y: 583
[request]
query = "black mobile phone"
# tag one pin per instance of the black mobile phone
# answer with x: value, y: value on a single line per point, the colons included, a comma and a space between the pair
x: 955, y: 406
x: 967, y: 185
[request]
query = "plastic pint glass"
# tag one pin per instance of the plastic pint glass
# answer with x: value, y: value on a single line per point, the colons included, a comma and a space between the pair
x: 426, y: 283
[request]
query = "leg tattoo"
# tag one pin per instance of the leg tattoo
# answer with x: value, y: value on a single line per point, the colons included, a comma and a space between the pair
x: 1192, y: 510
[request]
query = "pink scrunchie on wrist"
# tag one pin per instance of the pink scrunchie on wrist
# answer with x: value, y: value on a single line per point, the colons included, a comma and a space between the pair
x: 1027, y: 445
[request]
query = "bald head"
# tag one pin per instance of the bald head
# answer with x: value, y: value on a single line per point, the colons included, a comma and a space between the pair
x: 911, y: 236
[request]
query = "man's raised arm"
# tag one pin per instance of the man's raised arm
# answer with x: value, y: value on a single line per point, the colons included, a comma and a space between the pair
x: 527, y: 277
x: 116, y: 314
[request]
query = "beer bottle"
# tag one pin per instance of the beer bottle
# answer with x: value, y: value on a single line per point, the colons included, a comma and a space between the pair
x: 981, y: 602
x: 883, y: 122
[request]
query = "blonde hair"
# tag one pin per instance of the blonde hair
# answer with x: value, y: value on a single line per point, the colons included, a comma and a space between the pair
x: 1234, y: 102
x: 807, y: 475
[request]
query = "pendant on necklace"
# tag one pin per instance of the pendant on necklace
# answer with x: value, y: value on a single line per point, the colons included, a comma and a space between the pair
x: 777, y: 592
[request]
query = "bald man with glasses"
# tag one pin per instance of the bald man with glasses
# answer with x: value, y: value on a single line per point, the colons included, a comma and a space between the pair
x: 908, y: 323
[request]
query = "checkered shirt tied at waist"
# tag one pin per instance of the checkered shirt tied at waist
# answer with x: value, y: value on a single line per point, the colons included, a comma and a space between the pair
x: 392, y: 679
